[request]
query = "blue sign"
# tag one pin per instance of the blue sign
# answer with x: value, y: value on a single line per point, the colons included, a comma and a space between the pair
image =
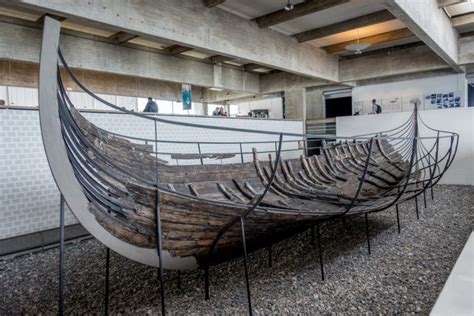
x: 186, y: 96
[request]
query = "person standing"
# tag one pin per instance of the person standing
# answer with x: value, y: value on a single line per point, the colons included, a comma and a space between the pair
x: 216, y: 112
x: 376, y: 109
x: 151, y: 106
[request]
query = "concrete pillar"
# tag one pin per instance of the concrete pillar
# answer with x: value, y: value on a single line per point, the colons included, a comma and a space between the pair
x: 295, y: 104
x: 205, y: 108
x: 314, y: 103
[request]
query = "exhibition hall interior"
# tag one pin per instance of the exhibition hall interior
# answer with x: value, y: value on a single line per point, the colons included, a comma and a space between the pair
x: 261, y: 157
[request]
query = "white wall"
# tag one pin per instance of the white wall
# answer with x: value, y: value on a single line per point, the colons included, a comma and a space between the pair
x: 29, y: 199
x: 273, y: 105
x: 407, y: 89
x: 458, y: 120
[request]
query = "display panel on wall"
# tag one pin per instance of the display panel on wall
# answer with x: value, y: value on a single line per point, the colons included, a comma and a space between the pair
x: 432, y: 101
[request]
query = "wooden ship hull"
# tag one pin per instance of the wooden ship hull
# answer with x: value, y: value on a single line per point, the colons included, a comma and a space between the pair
x: 129, y: 199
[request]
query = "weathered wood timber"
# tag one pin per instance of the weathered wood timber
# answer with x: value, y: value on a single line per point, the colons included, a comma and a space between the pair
x: 121, y: 179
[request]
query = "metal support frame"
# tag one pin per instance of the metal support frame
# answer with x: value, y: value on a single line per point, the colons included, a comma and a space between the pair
x: 107, y: 281
x: 424, y: 197
x: 367, y: 232
x: 158, y: 234
x: 199, y: 150
x: 398, y: 217
x: 321, y: 264
x: 244, y: 250
x: 416, y: 207
x: 61, y: 256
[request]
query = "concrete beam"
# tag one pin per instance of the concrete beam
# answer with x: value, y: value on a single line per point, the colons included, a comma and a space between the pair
x: 107, y: 57
x: 282, y: 81
x: 431, y: 25
x: 211, y: 96
x: 191, y: 24
x: 413, y: 59
x: 375, y: 39
x: 299, y: 10
x: 466, y: 50
x: 447, y: 3
x: 362, y: 21
x: 463, y: 20
x: 212, y: 3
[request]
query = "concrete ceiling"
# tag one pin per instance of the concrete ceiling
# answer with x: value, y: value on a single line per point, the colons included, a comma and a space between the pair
x: 461, y: 13
x: 460, y: 8
x: 251, y: 9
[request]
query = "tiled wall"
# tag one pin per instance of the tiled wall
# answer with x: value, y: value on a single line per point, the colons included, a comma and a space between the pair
x: 29, y: 199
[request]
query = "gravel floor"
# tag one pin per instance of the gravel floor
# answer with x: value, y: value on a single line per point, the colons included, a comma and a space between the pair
x: 404, y: 274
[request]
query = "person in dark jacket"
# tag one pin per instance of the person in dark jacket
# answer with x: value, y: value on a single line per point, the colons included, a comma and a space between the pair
x: 151, y: 106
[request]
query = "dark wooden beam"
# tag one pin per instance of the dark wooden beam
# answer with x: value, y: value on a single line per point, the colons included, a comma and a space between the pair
x: 467, y: 34
x: 299, y: 10
x: 212, y: 3
x: 374, y: 39
x: 387, y: 50
x: 56, y: 17
x: 252, y: 67
x: 218, y: 59
x: 366, y: 20
x: 122, y: 37
x: 177, y: 49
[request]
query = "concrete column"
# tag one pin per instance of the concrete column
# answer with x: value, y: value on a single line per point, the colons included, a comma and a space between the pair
x: 315, y: 103
x: 295, y: 104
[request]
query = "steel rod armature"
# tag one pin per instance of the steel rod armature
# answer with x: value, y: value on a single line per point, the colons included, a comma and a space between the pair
x: 367, y: 231
x: 61, y: 255
x: 107, y: 278
x: 244, y: 249
x: 320, y: 250
x: 398, y: 217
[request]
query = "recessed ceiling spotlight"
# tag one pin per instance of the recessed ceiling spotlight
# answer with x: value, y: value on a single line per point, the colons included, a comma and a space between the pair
x: 289, y: 6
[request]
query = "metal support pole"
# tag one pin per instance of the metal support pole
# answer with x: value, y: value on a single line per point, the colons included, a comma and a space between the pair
x: 206, y: 283
x: 398, y: 217
x: 424, y: 197
x: 241, y: 154
x: 244, y: 248
x: 416, y: 206
x: 179, y: 279
x: 312, y: 235
x: 158, y: 226
x: 61, y: 255
x: 269, y: 249
x: 107, y: 276
x: 367, y: 231
x: 321, y: 264
x: 199, y: 149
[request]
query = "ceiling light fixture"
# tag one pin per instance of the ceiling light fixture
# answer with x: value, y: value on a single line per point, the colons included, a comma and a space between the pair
x: 358, y: 47
x: 289, y: 6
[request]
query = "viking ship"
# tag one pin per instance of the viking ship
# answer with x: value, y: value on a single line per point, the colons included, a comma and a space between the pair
x: 188, y: 216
